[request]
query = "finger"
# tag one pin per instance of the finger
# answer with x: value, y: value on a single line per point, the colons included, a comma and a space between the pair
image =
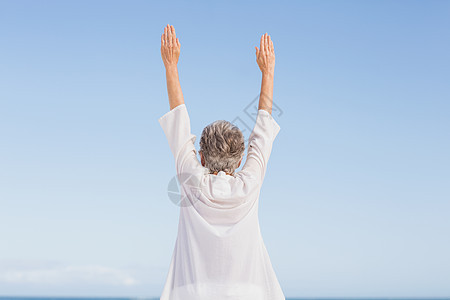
x: 262, y: 46
x: 174, y: 38
x: 169, y: 35
x: 178, y: 43
x: 271, y: 46
x: 165, y: 36
x: 267, y: 42
x: 257, y: 51
x: 162, y: 39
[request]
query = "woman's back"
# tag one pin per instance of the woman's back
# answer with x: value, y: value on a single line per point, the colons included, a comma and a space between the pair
x: 219, y: 251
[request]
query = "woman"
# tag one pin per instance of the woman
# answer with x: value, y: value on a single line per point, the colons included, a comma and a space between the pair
x: 219, y: 252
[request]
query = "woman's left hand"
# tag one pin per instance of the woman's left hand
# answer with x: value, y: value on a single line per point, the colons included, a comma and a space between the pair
x: 170, y: 47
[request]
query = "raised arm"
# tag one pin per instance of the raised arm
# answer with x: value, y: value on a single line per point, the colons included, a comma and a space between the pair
x: 266, y: 128
x: 265, y: 57
x: 170, y: 52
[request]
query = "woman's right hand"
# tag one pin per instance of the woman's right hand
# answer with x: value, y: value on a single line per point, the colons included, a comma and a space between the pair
x: 265, y: 56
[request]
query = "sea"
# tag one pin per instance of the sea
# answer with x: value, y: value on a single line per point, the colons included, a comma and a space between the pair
x: 134, y: 298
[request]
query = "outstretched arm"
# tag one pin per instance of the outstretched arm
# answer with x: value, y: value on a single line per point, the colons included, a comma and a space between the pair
x: 265, y: 57
x: 170, y: 52
x: 266, y: 128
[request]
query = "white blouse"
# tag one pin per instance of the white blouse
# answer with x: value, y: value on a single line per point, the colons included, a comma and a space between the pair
x: 219, y: 251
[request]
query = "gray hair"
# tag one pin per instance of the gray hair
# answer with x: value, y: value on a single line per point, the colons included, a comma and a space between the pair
x: 222, y: 145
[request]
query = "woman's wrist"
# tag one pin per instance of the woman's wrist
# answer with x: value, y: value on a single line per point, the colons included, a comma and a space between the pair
x: 171, y: 67
x: 268, y: 73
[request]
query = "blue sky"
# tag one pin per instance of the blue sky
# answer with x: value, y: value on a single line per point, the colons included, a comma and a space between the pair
x: 356, y: 201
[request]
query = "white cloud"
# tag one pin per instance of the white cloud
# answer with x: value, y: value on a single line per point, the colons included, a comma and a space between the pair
x: 57, y: 273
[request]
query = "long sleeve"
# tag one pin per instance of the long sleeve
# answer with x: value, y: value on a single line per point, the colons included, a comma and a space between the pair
x: 260, y: 145
x: 177, y: 128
